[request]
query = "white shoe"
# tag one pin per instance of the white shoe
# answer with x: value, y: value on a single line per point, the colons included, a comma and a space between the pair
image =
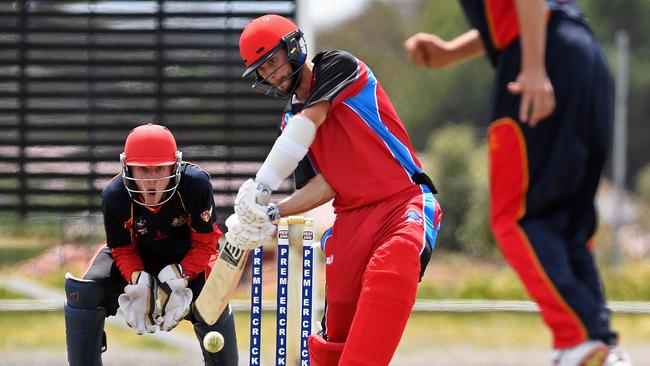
x: 588, y: 353
x: 617, y: 357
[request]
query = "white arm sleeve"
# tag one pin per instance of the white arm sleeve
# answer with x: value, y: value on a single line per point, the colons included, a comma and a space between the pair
x: 287, y: 152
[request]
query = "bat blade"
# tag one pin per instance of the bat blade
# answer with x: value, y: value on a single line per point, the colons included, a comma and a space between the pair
x: 221, y: 284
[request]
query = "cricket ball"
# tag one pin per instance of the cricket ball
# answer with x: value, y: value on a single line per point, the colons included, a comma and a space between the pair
x: 213, y: 342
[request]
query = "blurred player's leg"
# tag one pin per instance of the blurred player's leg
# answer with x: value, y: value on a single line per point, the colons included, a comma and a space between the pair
x: 225, y: 325
x: 536, y: 232
x: 84, y: 321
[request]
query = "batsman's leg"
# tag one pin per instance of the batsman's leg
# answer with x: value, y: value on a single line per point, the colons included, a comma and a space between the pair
x: 322, y: 352
x: 385, y: 303
x: 84, y: 321
x: 225, y: 325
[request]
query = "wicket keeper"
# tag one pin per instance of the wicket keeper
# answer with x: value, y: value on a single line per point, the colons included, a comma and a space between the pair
x: 161, y: 243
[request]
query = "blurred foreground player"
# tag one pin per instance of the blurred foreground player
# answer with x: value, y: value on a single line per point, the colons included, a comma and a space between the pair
x: 548, y: 140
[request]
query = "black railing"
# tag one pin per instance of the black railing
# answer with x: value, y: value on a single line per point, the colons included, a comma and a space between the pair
x: 76, y: 76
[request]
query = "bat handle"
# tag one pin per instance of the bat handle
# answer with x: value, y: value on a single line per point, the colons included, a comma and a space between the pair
x: 263, y: 194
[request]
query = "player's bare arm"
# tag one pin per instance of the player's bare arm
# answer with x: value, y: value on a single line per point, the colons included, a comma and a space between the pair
x: 313, y: 194
x: 317, y: 112
x: 429, y: 50
x: 533, y: 84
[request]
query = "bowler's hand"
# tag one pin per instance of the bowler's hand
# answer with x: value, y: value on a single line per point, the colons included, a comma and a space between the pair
x: 427, y: 50
x: 537, y: 96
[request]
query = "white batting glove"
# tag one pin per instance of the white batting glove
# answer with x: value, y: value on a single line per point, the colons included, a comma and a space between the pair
x: 247, y: 237
x: 138, y: 304
x: 250, y: 203
x: 174, y: 298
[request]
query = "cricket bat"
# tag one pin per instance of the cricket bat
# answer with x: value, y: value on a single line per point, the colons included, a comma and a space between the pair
x: 222, y: 282
x: 225, y: 275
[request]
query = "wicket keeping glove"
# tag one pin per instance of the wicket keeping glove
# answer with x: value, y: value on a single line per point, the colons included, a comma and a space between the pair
x: 250, y: 204
x: 247, y: 237
x: 138, y: 302
x: 174, y: 298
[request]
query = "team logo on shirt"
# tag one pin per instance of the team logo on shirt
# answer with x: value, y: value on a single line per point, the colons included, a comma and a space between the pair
x: 413, y: 216
x: 141, y: 226
x: 205, y: 215
x: 329, y: 259
x: 180, y: 220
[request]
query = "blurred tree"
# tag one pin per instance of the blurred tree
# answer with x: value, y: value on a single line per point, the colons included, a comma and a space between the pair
x: 475, y: 234
x: 606, y: 18
x: 457, y: 162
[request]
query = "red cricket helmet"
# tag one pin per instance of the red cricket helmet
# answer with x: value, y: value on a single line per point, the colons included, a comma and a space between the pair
x: 263, y: 36
x: 150, y: 145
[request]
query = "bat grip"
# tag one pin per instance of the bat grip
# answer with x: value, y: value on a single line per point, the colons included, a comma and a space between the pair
x: 263, y: 194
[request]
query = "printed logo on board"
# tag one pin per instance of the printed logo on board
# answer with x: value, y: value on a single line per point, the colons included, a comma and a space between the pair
x: 308, y: 235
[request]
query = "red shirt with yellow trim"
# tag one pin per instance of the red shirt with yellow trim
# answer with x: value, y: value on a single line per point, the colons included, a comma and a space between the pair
x: 498, y: 23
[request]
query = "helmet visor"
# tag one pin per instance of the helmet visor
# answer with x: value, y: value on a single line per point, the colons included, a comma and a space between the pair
x: 253, y: 68
x: 143, y: 189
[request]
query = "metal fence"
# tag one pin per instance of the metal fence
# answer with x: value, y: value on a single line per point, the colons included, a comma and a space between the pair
x: 76, y: 76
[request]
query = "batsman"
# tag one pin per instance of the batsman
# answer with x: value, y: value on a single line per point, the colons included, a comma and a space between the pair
x: 161, y: 244
x: 342, y: 137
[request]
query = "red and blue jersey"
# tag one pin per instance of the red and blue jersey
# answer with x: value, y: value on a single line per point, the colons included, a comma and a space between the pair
x: 362, y: 147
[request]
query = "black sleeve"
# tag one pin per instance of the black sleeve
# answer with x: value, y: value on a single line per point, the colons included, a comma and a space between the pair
x: 303, y: 173
x: 335, y: 73
x: 116, y: 210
